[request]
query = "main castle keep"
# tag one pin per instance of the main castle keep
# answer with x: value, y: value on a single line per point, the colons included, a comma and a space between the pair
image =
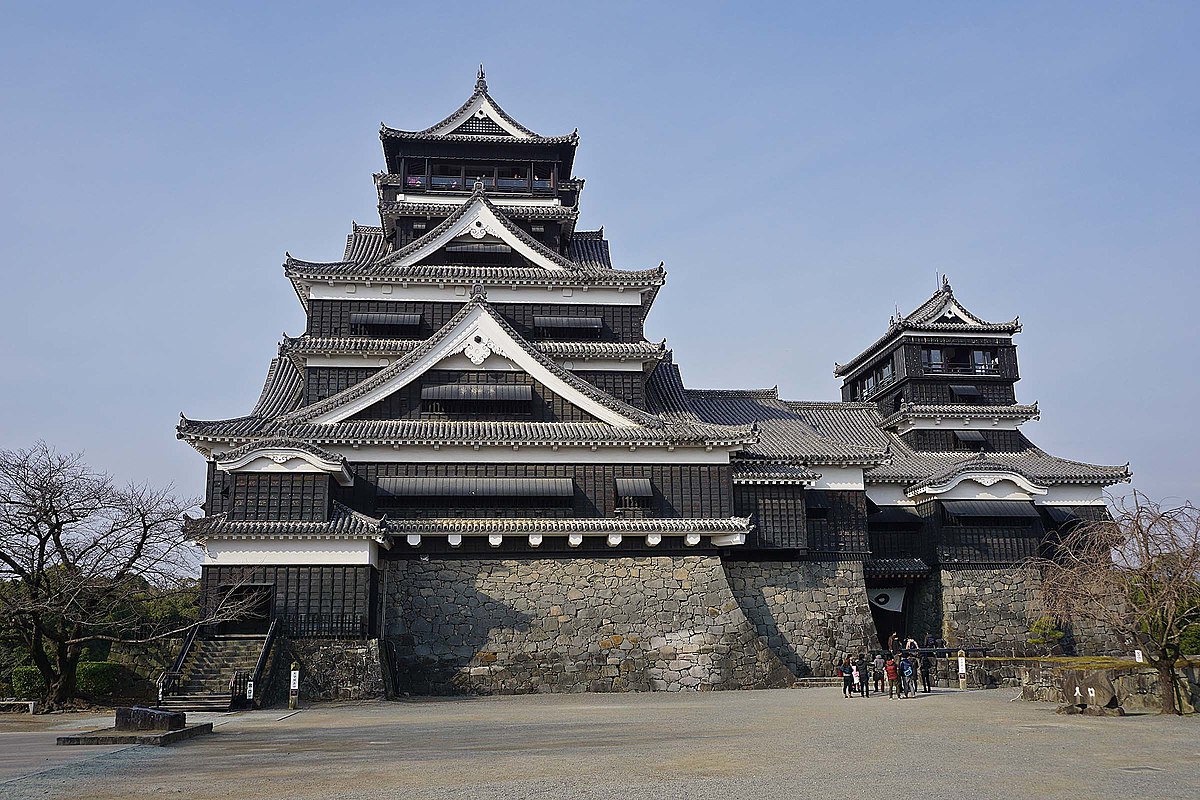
x: 472, y: 472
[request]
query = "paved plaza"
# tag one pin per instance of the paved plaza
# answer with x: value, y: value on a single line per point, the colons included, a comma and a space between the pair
x: 809, y: 743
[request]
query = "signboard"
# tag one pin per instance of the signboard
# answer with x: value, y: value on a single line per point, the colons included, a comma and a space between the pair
x: 1139, y: 656
x: 962, y: 665
x: 295, y: 680
x: 249, y: 690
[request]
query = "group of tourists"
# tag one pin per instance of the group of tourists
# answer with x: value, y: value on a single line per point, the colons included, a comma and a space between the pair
x: 896, y: 670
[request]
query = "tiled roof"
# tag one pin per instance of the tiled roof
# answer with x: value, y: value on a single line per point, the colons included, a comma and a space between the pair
x: 649, y: 430
x: 853, y: 423
x: 506, y: 433
x: 920, y: 469
x: 451, y: 273
x: 783, y: 434
x: 760, y: 472
x: 364, y: 345
x: 596, y: 525
x: 344, y: 523
x: 964, y: 411
x: 860, y: 424
x: 900, y: 567
x: 590, y: 250
x: 922, y: 320
x: 365, y: 244
x: 392, y: 133
x: 593, y: 268
x: 431, y: 209
x: 481, y: 90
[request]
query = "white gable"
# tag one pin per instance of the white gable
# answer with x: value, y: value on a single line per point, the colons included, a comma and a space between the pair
x: 478, y: 221
x: 477, y: 337
x: 479, y: 108
x: 952, y: 312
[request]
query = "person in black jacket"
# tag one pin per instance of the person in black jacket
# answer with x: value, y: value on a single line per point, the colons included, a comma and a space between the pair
x: 926, y: 669
x: 864, y: 676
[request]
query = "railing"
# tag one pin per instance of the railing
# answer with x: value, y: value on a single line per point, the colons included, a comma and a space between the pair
x: 188, y: 640
x: 168, y: 681
x: 944, y: 368
x: 455, y: 183
x: 326, y: 626
x: 878, y: 387
x: 237, y: 686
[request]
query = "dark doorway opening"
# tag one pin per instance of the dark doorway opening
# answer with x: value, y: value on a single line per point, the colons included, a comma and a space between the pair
x: 254, y: 602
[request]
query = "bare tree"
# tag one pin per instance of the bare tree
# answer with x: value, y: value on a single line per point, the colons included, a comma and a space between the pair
x: 1138, y: 575
x: 84, y: 561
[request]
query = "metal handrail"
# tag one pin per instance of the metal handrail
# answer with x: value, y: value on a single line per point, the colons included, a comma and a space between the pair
x: 167, y: 681
x: 188, y: 641
x: 261, y: 664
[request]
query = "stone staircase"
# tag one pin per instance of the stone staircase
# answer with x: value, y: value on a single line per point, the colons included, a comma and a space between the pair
x: 207, y: 670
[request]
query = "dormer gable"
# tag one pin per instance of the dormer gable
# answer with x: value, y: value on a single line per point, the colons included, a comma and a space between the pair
x: 477, y: 221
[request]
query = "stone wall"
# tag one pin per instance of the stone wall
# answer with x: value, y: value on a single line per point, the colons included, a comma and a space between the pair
x: 990, y: 607
x: 810, y: 613
x: 924, y: 601
x: 994, y: 607
x: 667, y: 623
x: 335, y: 669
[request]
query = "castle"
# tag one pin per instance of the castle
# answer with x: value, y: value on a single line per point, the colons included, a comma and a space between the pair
x: 473, y: 473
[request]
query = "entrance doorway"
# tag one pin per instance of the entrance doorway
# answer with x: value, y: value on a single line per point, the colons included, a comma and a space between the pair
x: 252, y: 603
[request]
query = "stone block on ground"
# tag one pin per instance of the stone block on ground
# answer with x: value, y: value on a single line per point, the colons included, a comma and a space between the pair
x: 149, y: 719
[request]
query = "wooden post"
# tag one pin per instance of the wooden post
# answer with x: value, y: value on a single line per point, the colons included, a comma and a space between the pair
x: 962, y: 669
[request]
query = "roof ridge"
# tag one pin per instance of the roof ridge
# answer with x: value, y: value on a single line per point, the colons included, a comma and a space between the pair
x: 770, y: 394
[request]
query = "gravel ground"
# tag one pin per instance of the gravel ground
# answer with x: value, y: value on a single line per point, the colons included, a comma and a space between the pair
x: 808, y: 743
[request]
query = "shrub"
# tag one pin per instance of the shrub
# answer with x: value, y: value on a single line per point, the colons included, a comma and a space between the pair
x: 1044, y: 632
x: 101, y: 678
x: 27, y: 683
x: 1190, y: 641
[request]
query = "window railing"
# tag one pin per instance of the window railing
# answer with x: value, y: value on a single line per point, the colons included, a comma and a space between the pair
x: 458, y: 183
x: 947, y: 368
x: 878, y: 387
x: 325, y: 626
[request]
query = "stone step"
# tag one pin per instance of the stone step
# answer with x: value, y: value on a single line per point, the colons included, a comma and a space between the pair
x: 196, y: 702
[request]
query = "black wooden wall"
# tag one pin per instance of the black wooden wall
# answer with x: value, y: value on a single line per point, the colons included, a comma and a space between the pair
x: 269, y: 495
x: 778, y: 512
x: 680, y: 490
x: 307, y: 598
x: 332, y: 317
x: 844, y: 529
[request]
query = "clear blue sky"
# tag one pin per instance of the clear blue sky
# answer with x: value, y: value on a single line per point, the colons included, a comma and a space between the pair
x: 802, y: 169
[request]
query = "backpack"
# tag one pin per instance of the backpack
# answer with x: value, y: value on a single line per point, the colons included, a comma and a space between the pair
x: 907, y: 669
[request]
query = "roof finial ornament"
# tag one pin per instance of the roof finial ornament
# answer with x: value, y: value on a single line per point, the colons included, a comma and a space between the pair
x: 478, y: 293
x: 946, y: 284
x: 480, y: 81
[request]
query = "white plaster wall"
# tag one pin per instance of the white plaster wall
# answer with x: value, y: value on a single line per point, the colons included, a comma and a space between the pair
x: 838, y: 477
x: 254, y: 552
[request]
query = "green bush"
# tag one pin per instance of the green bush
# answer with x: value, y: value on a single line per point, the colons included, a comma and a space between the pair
x: 27, y: 683
x: 1190, y: 641
x: 101, y: 678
